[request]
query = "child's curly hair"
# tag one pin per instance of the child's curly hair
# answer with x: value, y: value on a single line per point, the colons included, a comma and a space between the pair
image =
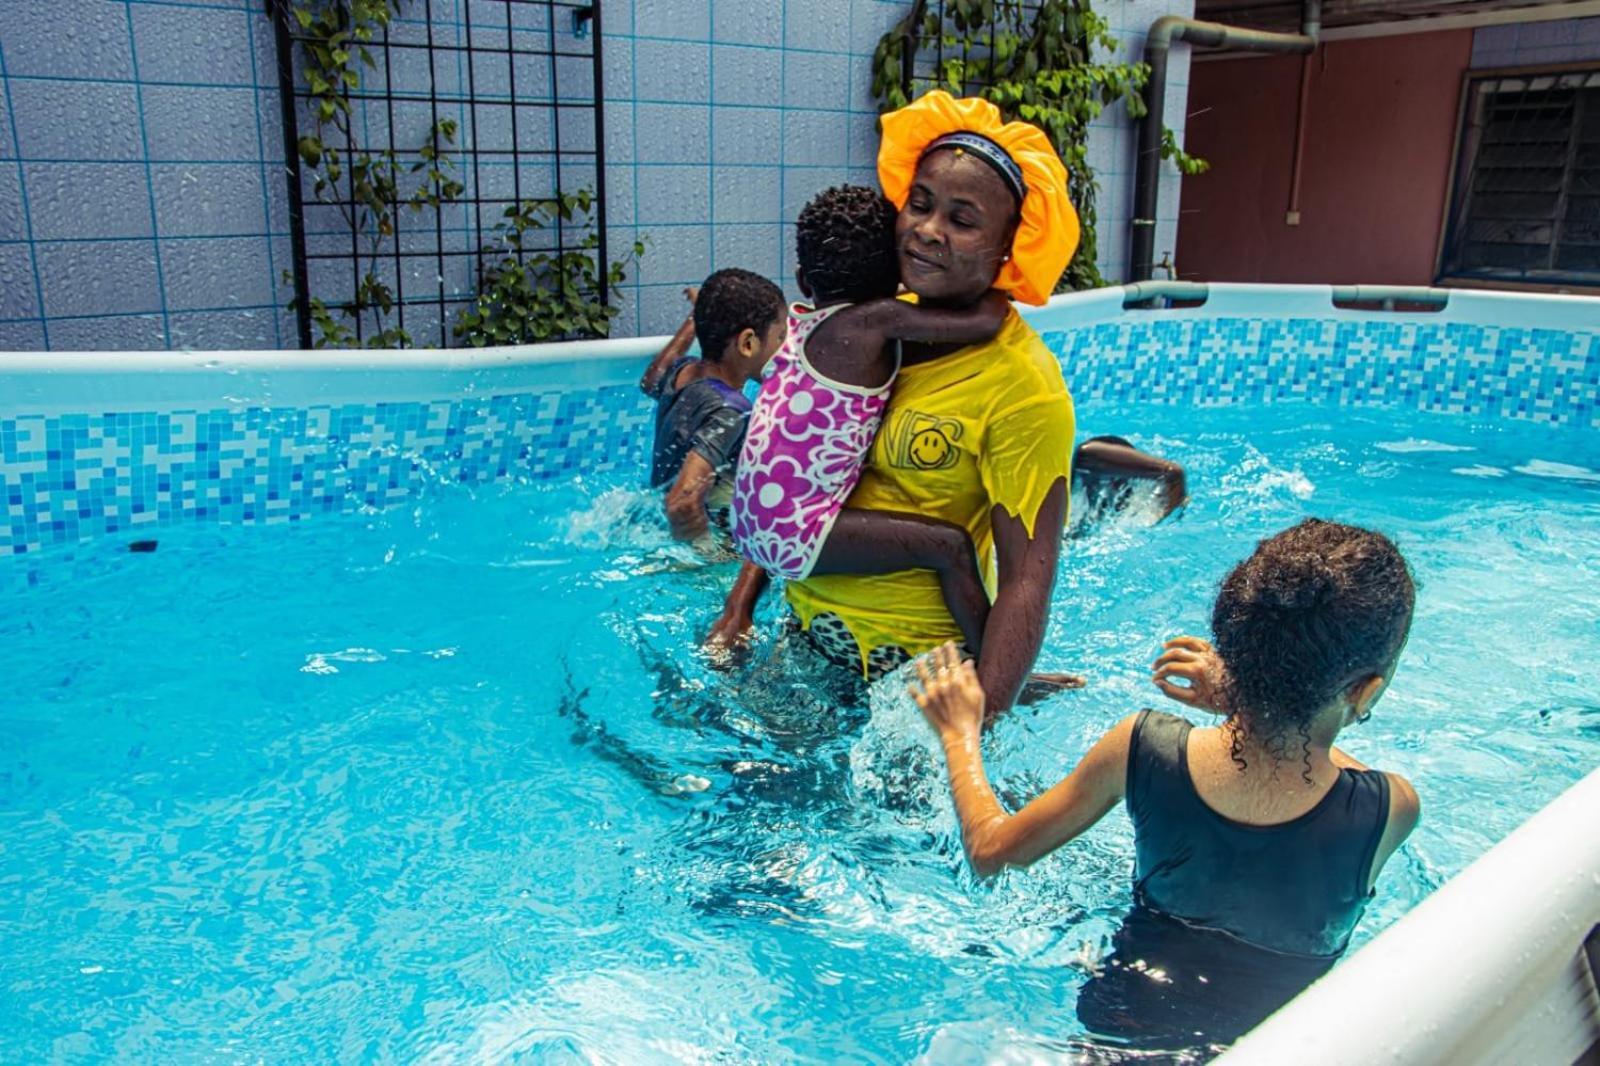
x: 730, y: 302
x: 1315, y: 609
x: 845, y: 242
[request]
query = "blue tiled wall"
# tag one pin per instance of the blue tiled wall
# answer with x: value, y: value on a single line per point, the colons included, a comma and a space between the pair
x: 143, y: 201
x: 141, y: 189
x: 1533, y: 44
x: 725, y: 116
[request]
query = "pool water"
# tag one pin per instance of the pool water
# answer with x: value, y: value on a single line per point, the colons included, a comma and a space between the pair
x: 449, y: 781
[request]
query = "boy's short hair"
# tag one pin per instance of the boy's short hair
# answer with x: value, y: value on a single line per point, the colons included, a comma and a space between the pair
x: 730, y: 302
x: 845, y: 241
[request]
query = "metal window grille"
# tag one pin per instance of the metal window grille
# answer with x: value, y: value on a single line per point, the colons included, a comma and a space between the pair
x: 522, y: 80
x: 1526, y: 199
x: 923, y: 66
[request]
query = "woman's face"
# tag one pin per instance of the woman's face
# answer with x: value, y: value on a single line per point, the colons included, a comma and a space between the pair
x: 955, y: 229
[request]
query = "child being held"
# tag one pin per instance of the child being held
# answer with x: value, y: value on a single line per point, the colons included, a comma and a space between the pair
x: 1257, y: 829
x: 701, y: 410
x: 820, y: 409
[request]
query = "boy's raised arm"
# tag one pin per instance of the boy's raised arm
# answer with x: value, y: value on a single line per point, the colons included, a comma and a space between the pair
x: 650, y: 382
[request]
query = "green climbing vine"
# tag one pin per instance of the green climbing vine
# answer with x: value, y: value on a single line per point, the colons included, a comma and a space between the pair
x: 545, y: 296
x: 1039, y: 64
x: 1172, y: 151
x: 368, y: 188
x: 523, y: 298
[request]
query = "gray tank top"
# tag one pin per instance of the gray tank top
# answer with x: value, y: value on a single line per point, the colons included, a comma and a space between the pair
x: 1297, y: 887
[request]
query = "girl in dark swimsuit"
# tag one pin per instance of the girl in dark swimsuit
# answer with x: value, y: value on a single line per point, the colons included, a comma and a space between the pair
x: 1258, y: 832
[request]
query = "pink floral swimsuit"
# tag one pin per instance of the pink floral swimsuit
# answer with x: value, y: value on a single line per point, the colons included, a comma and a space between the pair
x: 802, y: 457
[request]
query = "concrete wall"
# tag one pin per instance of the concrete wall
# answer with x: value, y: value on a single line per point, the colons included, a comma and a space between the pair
x: 1380, y: 130
x: 1382, y: 127
x: 143, y: 200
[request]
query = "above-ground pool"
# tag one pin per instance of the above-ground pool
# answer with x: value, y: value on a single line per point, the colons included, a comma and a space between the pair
x: 398, y: 746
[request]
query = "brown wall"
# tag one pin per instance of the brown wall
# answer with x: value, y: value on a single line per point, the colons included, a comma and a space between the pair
x: 1382, y: 122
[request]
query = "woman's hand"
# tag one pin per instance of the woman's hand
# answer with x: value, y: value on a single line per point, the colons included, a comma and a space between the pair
x: 1197, y: 662
x: 948, y: 692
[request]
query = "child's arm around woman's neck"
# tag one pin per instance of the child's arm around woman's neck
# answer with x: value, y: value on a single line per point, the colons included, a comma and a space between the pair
x: 854, y: 345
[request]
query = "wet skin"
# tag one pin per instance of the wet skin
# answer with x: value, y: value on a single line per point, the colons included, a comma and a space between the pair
x: 953, y: 235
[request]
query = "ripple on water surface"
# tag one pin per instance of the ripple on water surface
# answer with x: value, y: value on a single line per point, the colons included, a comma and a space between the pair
x: 448, y: 782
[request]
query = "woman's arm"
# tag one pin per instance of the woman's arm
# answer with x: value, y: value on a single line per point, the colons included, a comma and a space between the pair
x: 1027, y: 573
x: 952, y: 699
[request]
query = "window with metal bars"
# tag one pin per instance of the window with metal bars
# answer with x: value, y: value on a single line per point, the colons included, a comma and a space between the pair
x: 1525, y: 205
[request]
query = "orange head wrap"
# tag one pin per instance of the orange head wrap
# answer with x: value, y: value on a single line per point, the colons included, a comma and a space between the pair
x: 1047, y: 233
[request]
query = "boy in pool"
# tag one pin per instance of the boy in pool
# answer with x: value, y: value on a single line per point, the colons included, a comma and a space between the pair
x: 701, y: 410
x: 1258, y: 829
x: 819, y: 411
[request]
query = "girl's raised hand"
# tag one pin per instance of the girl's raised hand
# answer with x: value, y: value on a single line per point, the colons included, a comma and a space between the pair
x: 948, y: 692
x: 1197, y: 662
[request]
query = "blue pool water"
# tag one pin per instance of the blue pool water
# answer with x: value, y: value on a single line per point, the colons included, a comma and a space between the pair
x: 448, y: 782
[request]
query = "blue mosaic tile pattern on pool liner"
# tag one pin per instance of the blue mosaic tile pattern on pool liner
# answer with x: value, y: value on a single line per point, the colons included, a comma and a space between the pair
x: 1548, y: 376
x: 69, y: 478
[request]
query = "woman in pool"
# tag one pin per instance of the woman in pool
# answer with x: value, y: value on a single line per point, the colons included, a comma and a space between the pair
x: 979, y: 436
x: 1257, y: 841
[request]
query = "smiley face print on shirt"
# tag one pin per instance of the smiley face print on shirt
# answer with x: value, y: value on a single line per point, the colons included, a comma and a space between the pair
x: 917, y: 441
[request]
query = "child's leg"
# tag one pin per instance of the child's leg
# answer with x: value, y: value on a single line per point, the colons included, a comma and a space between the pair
x: 881, y: 542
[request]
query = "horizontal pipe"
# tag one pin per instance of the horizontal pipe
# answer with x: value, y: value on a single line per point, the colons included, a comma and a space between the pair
x: 1169, y: 29
x: 1389, y: 295
x: 1143, y: 292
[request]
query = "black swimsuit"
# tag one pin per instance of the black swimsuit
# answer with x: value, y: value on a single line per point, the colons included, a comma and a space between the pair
x: 1298, y: 887
x: 1231, y: 920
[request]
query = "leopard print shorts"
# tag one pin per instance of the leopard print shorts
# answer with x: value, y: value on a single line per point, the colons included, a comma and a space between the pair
x: 830, y: 636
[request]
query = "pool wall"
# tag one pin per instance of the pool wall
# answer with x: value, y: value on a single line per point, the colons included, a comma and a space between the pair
x: 1497, y: 966
x: 102, y: 444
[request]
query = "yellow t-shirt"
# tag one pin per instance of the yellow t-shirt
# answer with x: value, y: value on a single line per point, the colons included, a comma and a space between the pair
x: 989, y: 425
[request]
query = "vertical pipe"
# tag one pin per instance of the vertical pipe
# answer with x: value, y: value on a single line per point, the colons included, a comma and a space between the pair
x: 1300, y: 123
x: 1164, y: 32
x: 1147, y: 165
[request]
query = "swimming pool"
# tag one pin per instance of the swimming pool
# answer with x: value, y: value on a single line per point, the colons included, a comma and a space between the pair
x: 436, y: 774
